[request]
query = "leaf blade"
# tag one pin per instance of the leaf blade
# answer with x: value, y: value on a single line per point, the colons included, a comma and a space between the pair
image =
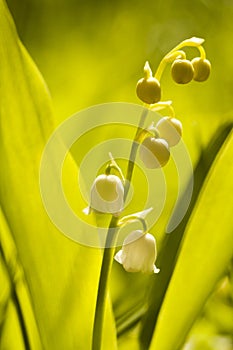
x: 168, y: 254
x: 61, y: 276
x: 171, y: 318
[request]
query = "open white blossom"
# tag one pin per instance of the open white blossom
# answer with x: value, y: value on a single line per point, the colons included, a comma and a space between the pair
x: 138, y: 253
x: 107, y: 195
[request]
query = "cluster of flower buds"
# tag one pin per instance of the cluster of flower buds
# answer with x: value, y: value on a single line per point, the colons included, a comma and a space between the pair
x: 183, y: 70
x: 155, y: 149
x: 108, y: 191
x: 148, y: 89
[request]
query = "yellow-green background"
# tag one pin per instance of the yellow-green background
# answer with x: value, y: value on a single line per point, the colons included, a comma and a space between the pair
x: 93, y: 52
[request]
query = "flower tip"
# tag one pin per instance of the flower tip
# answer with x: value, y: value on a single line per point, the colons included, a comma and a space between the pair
x: 110, y: 156
x: 194, y: 41
x: 118, y: 257
x: 87, y: 210
x: 156, y: 270
x: 147, y: 65
x: 147, y: 70
x: 144, y: 213
x: 198, y: 41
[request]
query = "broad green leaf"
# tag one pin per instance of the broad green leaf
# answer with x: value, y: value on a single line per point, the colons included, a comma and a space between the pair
x: 168, y: 253
x: 60, y: 277
x: 205, y: 254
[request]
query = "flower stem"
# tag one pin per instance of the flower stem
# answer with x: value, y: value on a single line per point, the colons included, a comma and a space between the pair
x: 161, y: 105
x: 109, y: 249
x: 103, y: 282
x: 202, y: 52
x: 133, y: 153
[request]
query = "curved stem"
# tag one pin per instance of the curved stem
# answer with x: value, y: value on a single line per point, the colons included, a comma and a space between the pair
x: 161, y: 105
x: 109, y: 249
x: 130, y: 218
x: 113, y: 165
x: 175, y: 53
x: 168, y: 58
x: 202, y: 52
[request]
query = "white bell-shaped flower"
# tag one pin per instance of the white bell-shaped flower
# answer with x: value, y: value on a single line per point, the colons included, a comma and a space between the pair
x: 107, y: 194
x: 138, y: 253
x: 170, y: 129
x: 154, y: 152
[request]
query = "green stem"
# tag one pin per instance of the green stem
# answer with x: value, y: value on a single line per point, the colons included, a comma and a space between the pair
x: 202, y: 52
x: 103, y: 282
x: 113, y: 165
x: 172, y: 55
x: 133, y: 153
x: 130, y: 218
x: 109, y: 249
x: 161, y: 105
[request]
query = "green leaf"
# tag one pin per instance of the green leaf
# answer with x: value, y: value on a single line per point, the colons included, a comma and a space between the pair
x: 168, y: 253
x: 59, y: 278
x: 205, y: 254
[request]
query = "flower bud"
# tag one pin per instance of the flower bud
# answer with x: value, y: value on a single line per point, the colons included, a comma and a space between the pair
x: 148, y: 90
x: 138, y: 253
x: 107, y: 194
x: 154, y: 152
x: 182, y: 71
x: 170, y: 129
x: 202, y: 69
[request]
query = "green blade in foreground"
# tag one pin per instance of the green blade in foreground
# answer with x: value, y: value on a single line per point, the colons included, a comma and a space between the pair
x: 168, y: 254
x: 60, y: 277
x: 205, y: 255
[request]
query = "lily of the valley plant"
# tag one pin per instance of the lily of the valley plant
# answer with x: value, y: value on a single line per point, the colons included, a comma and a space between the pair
x: 109, y: 191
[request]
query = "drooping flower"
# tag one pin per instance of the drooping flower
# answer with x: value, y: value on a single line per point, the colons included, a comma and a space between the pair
x: 138, y: 253
x: 202, y: 68
x: 154, y: 152
x: 182, y: 71
x: 107, y: 195
x: 170, y: 129
x: 148, y: 88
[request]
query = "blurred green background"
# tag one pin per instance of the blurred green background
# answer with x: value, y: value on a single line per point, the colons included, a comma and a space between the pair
x: 93, y: 52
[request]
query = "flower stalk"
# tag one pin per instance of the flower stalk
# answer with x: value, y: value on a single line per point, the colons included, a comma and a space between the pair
x: 139, y: 252
x: 103, y: 282
x: 133, y: 152
x: 109, y: 249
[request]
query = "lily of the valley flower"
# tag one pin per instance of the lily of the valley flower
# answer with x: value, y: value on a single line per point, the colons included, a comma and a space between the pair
x: 170, y: 129
x: 107, y: 195
x: 138, y: 253
x: 154, y: 152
